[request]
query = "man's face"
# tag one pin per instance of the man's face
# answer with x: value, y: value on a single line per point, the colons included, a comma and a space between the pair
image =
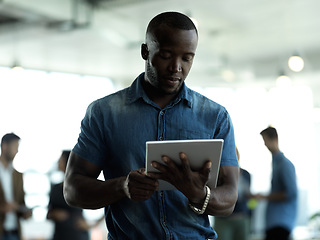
x: 269, y: 143
x: 11, y: 149
x: 169, y: 56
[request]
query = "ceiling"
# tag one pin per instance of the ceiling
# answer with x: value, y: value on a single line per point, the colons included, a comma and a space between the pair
x: 252, y: 39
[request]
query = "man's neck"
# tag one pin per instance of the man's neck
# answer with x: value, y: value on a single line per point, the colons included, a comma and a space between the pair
x: 275, y: 151
x: 160, y: 99
x: 4, y: 161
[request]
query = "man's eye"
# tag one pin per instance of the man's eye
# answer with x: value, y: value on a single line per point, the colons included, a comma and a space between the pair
x: 187, y: 59
x: 165, y: 55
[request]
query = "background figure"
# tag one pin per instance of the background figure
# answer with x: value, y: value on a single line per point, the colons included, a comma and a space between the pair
x: 237, y: 225
x: 12, y: 205
x: 69, y: 221
x: 282, y: 200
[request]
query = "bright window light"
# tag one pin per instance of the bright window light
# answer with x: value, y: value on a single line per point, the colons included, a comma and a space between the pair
x: 45, y: 110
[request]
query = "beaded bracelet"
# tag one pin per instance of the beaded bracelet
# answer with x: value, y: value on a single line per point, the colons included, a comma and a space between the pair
x: 205, y: 204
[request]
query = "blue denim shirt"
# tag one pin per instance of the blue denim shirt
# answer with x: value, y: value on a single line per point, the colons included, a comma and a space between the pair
x: 114, y: 134
x: 282, y: 214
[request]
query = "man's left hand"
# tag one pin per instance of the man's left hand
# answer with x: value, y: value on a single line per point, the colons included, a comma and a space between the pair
x: 191, y: 183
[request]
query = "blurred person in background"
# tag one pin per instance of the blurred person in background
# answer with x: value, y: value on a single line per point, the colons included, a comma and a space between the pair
x: 69, y: 221
x: 237, y: 225
x: 282, y: 201
x: 12, y: 204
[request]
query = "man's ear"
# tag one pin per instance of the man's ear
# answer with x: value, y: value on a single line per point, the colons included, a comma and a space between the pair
x: 144, y: 51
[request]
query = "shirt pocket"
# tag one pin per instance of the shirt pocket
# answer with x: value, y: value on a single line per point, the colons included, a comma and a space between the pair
x: 185, y: 134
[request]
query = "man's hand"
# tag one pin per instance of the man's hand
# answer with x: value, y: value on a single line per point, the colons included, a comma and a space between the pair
x: 27, y: 214
x: 82, y: 224
x: 9, y: 207
x: 58, y: 215
x: 258, y: 196
x: 190, y: 183
x: 138, y: 186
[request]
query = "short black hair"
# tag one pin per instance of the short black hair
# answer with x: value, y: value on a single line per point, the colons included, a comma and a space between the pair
x: 9, y: 137
x: 171, y: 19
x: 270, y: 132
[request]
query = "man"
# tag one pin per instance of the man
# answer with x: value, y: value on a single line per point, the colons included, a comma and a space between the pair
x: 282, y: 201
x: 12, y: 205
x: 157, y: 106
x: 237, y: 225
x: 69, y: 222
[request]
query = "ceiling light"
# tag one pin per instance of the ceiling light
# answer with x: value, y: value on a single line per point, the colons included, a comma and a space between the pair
x: 296, y: 63
x: 16, y: 66
x: 283, y: 81
x: 228, y: 75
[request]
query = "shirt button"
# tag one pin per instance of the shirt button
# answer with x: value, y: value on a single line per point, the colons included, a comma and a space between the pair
x: 161, y: 138
x: 161, y: 113
x: 164, y: 224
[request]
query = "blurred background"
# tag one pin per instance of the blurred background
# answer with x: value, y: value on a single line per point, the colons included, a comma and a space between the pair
x: 260, y: 59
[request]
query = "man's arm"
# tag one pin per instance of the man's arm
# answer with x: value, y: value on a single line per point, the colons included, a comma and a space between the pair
x: 224, y: 196
x: 275, y: 196
x: 57, y: 215
x: 8, y: 207
x: 83, y: 189
x: 289, y: 191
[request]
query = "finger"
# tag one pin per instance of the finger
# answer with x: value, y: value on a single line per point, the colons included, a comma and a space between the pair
x: 147, y: 183
x: 140, y: 195
x: 185, y: 164
x: 138, y: 183
x: 140, y: 177
x: 142, y: 171
x: 154, y: 175
x: 206, y: 169
x: 165, y: 172
x: 168, y: 161
x: 160, y: 167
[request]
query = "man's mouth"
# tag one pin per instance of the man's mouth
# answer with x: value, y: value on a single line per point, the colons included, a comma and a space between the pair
x: 173, y: 79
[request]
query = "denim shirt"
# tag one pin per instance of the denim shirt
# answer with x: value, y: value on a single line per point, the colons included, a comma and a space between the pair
x: 113, y: 135
x: 282, y: 214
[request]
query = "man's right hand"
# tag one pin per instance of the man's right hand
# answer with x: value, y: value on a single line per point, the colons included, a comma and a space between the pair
x: 138, y: 186
x: 10, y: 207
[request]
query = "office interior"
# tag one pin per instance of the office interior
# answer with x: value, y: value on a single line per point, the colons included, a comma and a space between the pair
x: 57, y: 56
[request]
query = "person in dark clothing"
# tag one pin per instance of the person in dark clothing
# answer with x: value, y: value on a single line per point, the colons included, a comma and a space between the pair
x: 69, y: 221
x: 237, y: 225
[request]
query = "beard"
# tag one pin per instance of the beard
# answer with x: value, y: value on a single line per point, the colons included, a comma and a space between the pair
x: 153, y: 79
x: 10, y: 157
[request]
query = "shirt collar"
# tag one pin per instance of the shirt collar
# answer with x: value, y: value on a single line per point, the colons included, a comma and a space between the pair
x: 276, y: 156
x: 136, y: 92
x: 3, y: 168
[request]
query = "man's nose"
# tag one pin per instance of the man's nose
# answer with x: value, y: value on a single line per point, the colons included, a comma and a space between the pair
x: 175, y: 66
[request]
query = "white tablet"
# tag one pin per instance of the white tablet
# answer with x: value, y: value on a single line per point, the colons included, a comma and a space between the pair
x: 198, y: 152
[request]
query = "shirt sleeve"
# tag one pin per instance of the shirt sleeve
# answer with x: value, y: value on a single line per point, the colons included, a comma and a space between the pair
x: 288, y: 177
x: 225, y: 131
x: 91, y: 142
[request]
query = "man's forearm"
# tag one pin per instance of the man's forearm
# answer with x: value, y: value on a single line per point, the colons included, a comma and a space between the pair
x: 89, y: 193
x: 277, y: 196
x: 222, y: 201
